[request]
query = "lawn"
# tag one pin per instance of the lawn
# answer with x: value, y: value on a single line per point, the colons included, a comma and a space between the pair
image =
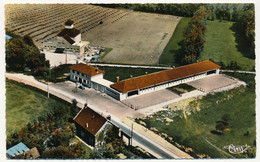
x: 181, y: 88
x: 237, y: 106
x: 173, y: 48
x: 124, y: 73
x: 221, y: 45
x: 25, y: 104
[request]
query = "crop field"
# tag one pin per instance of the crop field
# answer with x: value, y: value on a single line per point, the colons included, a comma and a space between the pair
x: 136, y: 38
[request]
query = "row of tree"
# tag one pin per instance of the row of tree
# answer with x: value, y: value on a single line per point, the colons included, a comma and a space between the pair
x: 186, y: 10
x: 194, y: 36
x: 22, y: 55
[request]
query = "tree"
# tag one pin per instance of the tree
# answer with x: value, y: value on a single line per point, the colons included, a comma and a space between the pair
x: 194, y: 36
x: 21, y: 53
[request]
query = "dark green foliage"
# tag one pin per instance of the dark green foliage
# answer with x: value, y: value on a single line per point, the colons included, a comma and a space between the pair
x: 245, y: 26
x: 223, y: 14
x: 22, y: 53
x: 186, y: 10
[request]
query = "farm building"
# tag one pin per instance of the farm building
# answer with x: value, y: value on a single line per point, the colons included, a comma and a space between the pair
x: 16, y: 150
x: 68, y: 40
x: 89, y: 125
x: 121, y: 90
x: 21, y: 151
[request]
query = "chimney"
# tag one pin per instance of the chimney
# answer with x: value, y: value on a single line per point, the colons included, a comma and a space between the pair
x: 87, y: 125
x: 85, y: 106
x: 117, y: 79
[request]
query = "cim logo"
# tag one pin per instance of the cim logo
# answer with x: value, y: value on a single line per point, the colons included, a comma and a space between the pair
x: 237, y: 149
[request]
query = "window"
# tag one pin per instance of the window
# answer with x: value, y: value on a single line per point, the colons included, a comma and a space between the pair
x: 82, y: 134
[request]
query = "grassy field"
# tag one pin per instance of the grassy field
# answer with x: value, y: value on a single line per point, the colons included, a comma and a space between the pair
x: 173, y: 47
x: 124, y: 73
x: 221, y: 45
x: 237, y: 106
x: 24, y: 104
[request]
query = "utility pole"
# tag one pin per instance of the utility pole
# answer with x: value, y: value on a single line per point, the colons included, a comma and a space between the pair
x: 131, y: 143
x: 65, y: 56
x: 48, y: 89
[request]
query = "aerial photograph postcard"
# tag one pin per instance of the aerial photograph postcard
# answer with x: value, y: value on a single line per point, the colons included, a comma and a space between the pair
x: 130, y: 81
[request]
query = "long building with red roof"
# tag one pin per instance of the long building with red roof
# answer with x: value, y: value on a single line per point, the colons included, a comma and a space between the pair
x: 144, y: 84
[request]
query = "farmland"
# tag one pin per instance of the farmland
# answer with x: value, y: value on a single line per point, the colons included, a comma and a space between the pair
x: 125, y: 31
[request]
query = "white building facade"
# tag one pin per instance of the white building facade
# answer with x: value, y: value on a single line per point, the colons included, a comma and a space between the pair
x: 93, y: 78
x: 69, y: 40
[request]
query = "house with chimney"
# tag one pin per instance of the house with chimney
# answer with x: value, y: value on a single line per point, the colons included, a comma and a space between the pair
x: 92, y: 77
x: 89, y: 125
x: 68, y: 40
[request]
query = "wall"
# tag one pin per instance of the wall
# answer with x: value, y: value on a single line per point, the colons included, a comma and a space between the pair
x: 77, y: 38
x: 61, y: 43
x: 86, y: 79
x: 85, y: 135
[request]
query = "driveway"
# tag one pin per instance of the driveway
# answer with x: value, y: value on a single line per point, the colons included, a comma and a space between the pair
x: 150, y: 99
x: 93, y: 98
x: 213, y: 82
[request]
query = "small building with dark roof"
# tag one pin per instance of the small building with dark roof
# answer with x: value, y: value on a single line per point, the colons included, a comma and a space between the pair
x: 68, y: 39
x: 88, y: 125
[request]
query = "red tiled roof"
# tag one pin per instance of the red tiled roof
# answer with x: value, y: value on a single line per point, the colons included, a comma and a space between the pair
x: 86, y: 69
x: 69, y: 22
x: 69, y: 32
x: 90, y: 120
x: 67, y: 38
x: 164, y: 76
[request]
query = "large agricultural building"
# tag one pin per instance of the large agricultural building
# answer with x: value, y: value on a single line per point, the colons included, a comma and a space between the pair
x: 93, y: 78
x: 68, y: 40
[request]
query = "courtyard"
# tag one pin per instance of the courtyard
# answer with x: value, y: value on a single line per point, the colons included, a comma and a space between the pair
x: 214, y: 82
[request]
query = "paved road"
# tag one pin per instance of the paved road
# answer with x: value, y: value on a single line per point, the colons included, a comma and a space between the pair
x: 154, y: 147
x: 98, y: 105
x: 129, y: 66
x: 239, y: 71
